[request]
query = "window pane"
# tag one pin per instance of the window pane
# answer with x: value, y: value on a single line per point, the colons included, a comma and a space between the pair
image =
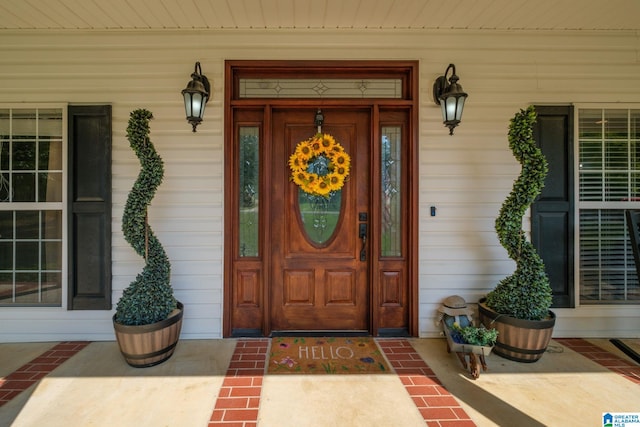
x: 31, y: 170
x: 51, y: 225
x: 4, y: 155
x: 609, y: 165
x: 607, y: 268
x: 27, y: 225
x: 591, y: 187
x: 590, y: 124
x: 51, y: 287
x: 50, y: 155
x: 5, y: 187
x: 27, y: 288
x: 616, y: 124
x: 5, y: 124
x: 24, y: 187
x: 249, y: 170
x: 27, y: 255
x: 590, y: 155
x: 23, y: 123
x: 6, y: 285
x: 49, y: 123
x: 320, y: 88
x: 616, y: 186
x: 24, y: 155
x: 50, y: 187
x: 319, y: 214
x: 634, y: 124
x: 30, y: 266
x: 51, y: 256
x: 635, y: 187
x: 616, y: 154
x: 609, y: 173
x: 6, y: 225
x: 6, y: 255
x: 391, y: 196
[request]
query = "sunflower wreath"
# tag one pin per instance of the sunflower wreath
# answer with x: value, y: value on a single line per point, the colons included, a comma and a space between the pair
x: 319, y: 165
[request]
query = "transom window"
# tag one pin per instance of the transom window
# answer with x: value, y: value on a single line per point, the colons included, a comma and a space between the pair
x: 320, y: 88
x: 609, y: 183
x: 31, y: 206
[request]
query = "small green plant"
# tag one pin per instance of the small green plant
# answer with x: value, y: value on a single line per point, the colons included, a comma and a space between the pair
x: 474, y: 335
x: 526, y: 294
x: 149, y: 298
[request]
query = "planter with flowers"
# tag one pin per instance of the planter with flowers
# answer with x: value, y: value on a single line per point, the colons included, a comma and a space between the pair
x: 463, y: 338
x: 470, y: 339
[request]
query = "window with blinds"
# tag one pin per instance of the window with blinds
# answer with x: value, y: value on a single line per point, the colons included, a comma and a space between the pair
x: 609, y: 183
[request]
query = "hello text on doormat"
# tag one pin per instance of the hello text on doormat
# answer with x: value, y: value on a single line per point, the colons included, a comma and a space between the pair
x: 332, y: 355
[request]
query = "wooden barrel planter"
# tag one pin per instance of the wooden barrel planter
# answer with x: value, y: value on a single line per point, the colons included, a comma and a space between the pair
x: 518, y: 339
x: 148, y: 345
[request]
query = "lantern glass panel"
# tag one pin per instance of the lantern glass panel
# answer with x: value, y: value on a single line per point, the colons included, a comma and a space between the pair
x: 450, y: 108
x: 187, y: 104
x: 196, y: 105
x: 460, y: 107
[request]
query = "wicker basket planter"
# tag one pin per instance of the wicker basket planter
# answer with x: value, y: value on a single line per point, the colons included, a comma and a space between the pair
x: 149, y: 345
x: 518, y: 339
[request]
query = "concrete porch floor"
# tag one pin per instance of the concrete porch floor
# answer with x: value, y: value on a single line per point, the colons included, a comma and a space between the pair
x: 95, y: 387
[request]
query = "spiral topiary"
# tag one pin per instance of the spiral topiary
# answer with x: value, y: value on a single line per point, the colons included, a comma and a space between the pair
x: 149, y: 298
x: 526, y: 294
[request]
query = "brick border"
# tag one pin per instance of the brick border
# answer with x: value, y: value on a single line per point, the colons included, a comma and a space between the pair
x: 603, y: 357
x: 438, y: 407
x: 32, y: 372
x: 239, y: 397
x: 238, y: 401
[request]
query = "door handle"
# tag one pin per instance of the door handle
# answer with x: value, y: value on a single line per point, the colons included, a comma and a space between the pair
x: 362, y: 233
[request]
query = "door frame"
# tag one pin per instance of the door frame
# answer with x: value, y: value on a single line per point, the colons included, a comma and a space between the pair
x: 248, y: 313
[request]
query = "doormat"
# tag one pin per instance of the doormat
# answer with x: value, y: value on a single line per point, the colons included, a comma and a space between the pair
x: 331, y: 355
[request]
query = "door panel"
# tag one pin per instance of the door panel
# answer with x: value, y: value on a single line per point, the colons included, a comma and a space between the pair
x: 319, y: 286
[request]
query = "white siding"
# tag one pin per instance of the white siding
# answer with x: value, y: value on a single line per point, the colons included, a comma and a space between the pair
x: 466, y: 176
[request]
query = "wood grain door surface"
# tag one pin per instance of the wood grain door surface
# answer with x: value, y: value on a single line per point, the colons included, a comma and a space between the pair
x: 319, y: 286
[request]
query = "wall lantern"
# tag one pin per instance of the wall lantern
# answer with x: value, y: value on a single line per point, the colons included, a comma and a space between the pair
x: 450, y: 97
x: 196, y: 96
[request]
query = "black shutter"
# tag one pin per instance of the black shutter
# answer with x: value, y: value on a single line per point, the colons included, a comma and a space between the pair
x: 89, y: 209
x: 552, y: 215
x: 633, y: 225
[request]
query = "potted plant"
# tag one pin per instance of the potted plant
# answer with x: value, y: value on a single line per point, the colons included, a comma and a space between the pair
x: 519, y: 305
x: 473, y: 335
x: 463, y: 337
x: 148, y: 318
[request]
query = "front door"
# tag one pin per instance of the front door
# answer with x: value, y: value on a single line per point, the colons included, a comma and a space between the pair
x: 319, y: 278
x: 342, y: 263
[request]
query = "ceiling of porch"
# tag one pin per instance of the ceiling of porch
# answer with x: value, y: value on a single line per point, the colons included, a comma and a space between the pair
x: 320, y: 14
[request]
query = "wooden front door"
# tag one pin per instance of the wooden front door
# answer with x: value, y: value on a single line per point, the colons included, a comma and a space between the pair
x: 319, y: 278
x: 299, y: 264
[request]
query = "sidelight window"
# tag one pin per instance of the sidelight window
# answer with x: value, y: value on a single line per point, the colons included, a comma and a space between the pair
x: 249, y: 173
x: 391, y: 191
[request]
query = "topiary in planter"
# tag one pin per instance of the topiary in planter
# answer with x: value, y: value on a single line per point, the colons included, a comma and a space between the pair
x: 149, y: 298
x: 526, y: 294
